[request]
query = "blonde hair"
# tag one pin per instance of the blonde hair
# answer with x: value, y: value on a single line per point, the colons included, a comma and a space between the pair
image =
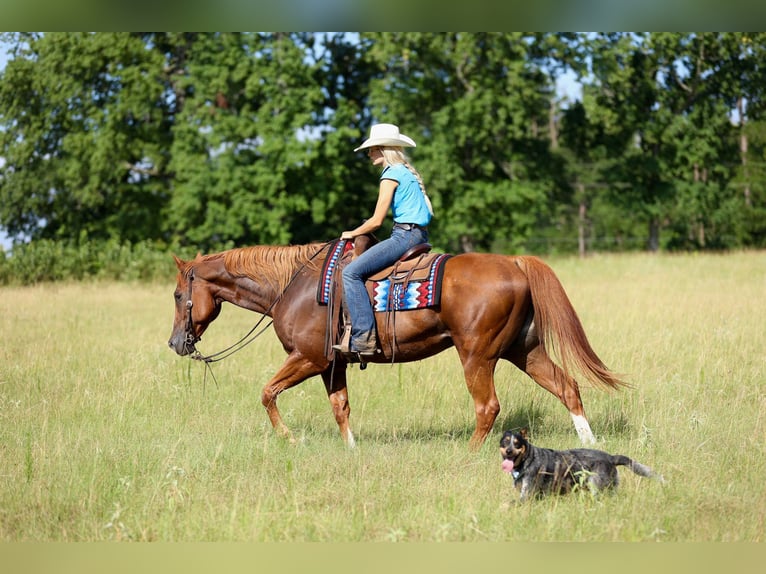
x: 396, y: 155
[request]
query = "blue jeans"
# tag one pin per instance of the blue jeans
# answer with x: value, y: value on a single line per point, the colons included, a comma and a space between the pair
x: 380, y: 255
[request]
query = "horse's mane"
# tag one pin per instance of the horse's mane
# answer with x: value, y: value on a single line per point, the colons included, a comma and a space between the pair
x: 275, y: 264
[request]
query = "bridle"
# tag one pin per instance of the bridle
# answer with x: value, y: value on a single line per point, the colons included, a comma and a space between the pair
x: 191, y: 339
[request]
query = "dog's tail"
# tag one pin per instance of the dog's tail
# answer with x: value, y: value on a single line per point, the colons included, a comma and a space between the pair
x: 637, y: 467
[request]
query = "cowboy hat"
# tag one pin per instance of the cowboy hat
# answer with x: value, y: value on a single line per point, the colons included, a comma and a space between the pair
x: 386, y: 135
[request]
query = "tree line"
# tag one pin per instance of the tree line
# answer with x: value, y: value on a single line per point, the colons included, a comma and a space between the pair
x: 208, y: 141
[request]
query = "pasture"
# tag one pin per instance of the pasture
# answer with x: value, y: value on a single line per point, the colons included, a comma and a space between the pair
x: 106, y: 434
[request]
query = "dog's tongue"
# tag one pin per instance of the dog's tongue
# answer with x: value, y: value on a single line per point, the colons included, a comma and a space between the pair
x: 507, y: 466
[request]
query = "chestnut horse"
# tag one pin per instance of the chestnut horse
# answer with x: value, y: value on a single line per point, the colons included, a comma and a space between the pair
x: 492, y: 307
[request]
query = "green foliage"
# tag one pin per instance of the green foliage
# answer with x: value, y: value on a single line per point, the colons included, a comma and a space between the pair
x: 82, y: 123
x: 238, y: 141
x: 46, y: 260
x: 211, y: 140
x: 481, y: 102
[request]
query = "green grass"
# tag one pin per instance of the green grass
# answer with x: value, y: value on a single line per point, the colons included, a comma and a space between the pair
x: 105, y: 434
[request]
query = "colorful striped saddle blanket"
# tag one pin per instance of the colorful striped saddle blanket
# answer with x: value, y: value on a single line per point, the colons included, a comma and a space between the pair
x: 406, y: 285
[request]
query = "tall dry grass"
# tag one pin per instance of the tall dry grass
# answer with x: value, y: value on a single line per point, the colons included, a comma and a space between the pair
x: 106, y: 435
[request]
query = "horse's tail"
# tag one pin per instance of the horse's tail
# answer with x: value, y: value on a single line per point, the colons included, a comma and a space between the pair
x: 559, y: 328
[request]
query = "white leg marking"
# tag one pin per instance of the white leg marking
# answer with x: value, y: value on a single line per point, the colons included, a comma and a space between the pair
x: 583, y: 429
x: 350, y: 439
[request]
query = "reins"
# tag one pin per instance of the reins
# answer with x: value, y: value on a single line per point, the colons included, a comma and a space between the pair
x: 251, y: 335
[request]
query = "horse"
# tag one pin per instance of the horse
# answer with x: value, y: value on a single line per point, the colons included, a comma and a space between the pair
x: 492, y: 307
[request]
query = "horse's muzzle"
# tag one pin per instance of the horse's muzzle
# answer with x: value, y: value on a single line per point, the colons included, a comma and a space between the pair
x: 183, y: 343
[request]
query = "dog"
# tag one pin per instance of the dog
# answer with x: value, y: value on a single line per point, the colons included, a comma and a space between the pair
x: 539, y: 471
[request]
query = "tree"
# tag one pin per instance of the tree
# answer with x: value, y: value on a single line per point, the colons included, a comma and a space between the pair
x: 81, y: 131
x: 338, y: 187
x: 241, y: 140
x: 479, y: 103
x: 664, y: 100
x: 210, y: 140
x: 191, y: 138
x: 741, y: 78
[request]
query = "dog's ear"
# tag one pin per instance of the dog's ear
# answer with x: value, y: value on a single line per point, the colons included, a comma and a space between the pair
x: 524, y: 432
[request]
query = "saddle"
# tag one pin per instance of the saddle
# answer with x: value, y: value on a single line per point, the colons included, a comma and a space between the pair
x: 388, y: 288
x: 414, y: 259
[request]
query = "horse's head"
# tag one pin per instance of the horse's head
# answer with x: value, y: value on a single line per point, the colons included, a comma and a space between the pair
x: 196, y: 306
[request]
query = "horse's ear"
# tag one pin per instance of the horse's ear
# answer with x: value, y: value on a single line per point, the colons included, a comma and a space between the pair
x: 180, y: 263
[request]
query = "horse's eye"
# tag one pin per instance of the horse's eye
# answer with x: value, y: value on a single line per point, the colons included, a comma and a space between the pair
x: 177, y: 296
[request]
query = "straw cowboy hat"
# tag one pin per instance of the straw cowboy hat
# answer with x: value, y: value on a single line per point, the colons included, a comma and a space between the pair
x: 386, y: 135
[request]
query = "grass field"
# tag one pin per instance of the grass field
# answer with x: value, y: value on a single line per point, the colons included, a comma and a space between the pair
x: 105, y: 434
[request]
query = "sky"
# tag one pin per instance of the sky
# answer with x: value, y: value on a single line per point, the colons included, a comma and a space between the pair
x: 567, y: 85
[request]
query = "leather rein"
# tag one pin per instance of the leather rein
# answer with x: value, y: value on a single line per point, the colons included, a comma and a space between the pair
x: 250, y: 336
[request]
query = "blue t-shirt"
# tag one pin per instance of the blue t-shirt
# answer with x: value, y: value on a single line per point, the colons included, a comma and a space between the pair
x: 409, y: 204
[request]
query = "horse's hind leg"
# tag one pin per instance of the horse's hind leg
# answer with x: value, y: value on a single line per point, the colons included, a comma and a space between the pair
x: 480, y: 378
x: 335, y: 382
x: 538, y: 365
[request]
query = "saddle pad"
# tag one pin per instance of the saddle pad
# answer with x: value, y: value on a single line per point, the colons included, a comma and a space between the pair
x: 387, y: 294
x: 337, y: 250
x: 392, y: 295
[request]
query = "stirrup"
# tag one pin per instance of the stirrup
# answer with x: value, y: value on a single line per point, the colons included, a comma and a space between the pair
x: 366, y: 353
x: 356, y: 358
x: 352, y: 355
x: 344, y: 347
x: 348, y: 352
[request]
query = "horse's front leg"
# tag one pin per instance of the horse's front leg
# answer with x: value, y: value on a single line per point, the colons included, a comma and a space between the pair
x: 335, y: 382
x: 295, y: 369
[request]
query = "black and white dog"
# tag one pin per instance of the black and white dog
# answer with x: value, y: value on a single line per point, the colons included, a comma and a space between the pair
x: 538, y: 471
